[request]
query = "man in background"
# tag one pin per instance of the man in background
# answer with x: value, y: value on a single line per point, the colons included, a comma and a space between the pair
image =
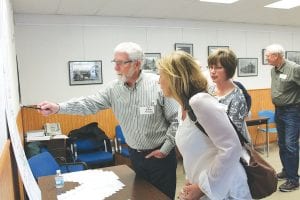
x: 285, y: 88
x: 148, y: 119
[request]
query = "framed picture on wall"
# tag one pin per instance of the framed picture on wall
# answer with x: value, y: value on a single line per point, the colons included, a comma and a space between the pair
x: 211, y: 49
x: 247, y: 67
x: 184, y: 47
x: 293, y: 56
x: 150, y: 62
x: 263, y: 57
x: 85, y: 72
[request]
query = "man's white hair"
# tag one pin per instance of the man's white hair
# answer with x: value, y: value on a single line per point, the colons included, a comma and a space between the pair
x: 133, y: 50
x: 275, y: 48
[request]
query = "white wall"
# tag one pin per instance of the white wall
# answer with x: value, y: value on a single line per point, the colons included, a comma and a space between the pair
x: 46, y: 43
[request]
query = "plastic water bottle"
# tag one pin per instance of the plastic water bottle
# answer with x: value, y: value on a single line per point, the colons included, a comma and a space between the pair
x: 59, y: 179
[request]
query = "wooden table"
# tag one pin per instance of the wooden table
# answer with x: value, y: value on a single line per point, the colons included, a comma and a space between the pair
x: 135, y: 188
x: 255, y: 121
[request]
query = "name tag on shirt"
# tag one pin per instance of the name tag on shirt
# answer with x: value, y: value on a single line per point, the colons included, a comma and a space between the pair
x: 283, y: 76
x: 147, y: 110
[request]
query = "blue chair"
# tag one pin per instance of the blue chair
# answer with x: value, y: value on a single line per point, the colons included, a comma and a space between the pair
x: 91, y: 145
x: 271, y: 121
x: 122, y: 149
x: 44, y: 164
x: 93, y: 152
x: 122, y: 146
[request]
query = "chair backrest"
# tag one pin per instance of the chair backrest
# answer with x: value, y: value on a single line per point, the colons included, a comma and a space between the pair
x: 88, y: 145
x: 122, y: 145
x: 89, y: 138
x: 119, y: 134
x: 43, y: 164
x: 267, y: 113
x: 90, y: 130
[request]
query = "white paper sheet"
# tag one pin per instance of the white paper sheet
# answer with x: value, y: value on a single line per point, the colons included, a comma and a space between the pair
x: 37, y: 138
x: 94, y: 185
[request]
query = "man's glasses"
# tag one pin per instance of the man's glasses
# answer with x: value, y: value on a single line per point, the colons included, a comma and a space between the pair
x: 120, y: 62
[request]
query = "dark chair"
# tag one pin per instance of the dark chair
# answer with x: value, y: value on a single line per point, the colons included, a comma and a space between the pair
x: 44, y: 164
x: 271, y: 122
x: 93, y: 152
x: 122, y: 146
x: 90, y: 144
x: 122, y: 151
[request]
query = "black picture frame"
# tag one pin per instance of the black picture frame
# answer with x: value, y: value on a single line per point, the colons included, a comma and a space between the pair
x: 187, y: 47
x: 247, y: 67
x: 263, y: 57
x: 85, y: 72
x: 293, y: 56
x: 211, y: 49
x: 149, y: 64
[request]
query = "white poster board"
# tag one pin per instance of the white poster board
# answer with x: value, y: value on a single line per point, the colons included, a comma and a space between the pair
x: 3, y: 128
x: 31, y: 186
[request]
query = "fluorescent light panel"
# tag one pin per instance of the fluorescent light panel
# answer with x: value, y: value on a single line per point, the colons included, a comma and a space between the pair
x: 284, y: 4
x: 220, y: 1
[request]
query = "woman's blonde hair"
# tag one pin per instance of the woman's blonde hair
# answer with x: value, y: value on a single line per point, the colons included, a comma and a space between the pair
x: 183, y: 75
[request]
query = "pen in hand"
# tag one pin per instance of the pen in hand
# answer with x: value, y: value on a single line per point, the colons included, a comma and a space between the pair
x: 33, y: 107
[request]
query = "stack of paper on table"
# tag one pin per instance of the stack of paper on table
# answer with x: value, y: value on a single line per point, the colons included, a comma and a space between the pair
x: 37, y: 138
x: 36, y: 135
x: 94, y: 185
x: 61, y: 136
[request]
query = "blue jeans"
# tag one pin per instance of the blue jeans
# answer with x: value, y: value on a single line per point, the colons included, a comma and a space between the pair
x: 287, y: 119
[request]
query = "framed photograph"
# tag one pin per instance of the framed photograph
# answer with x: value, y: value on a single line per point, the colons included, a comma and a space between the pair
x: 150, y: 62
x: 247, y: 67
x: 211, y: 49
x: 263, y: 57
x: 293, y: 56
x: 85, y: 72
x: 184, y: 47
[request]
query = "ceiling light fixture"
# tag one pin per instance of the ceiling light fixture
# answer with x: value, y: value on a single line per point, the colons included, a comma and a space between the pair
x: 220, y: 1
x: 284, y: 4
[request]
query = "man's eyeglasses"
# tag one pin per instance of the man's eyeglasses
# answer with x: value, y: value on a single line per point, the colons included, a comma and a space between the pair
x: 120, y: 62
